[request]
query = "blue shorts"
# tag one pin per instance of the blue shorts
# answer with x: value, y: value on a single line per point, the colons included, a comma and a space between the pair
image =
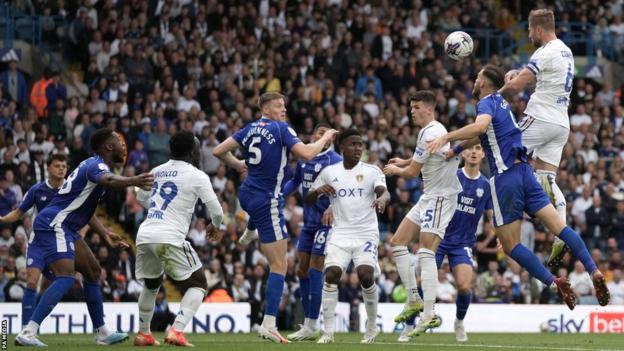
x: 313, y: 240
x: 514, y: 192
x: 265, y: 214
x: 457, y: 254
x: 49, y: 246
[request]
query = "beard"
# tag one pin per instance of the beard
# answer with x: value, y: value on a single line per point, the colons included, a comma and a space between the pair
x: 536, y: 42
x: 476, y: 92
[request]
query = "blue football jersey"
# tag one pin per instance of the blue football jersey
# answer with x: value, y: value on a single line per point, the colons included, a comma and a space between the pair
x: 39, y: 195
x: 305, y: 175
x: 266, y: 144
x: 502, y: 141
x: 471, y: 202
x: 75, y: 202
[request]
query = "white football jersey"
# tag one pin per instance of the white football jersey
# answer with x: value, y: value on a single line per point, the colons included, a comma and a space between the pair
x: 177, y: 186
x: 553, y: 66
x: 439, y: 175
x: 355, y: 192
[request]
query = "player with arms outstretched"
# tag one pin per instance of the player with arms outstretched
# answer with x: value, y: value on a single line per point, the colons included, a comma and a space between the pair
x: 161, y: 244
x: 57, y: 226
x: 515, y: 189
x: 311, y: 243
x: 429, y: 217
x: 267, y: 144
x: 39, y: 196
x: 356, y: 191
x: 546, y: 125
x: 460, y: 237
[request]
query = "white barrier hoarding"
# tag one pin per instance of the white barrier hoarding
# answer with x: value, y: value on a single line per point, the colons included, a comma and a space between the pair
x: 73, y: 317
x: 503, y: 318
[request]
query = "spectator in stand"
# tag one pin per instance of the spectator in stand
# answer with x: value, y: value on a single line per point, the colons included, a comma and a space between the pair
x: 14, y: 86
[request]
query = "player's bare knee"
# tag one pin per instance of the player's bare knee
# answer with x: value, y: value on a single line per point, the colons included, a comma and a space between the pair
x: 196, y: 280
x: 463, y: 288
x: 396, y: 240
x: 317, y: 262
x: 366, y: 274
x: 93, y: 274
x: 302, y: 271
x: 32, y: 282
x: 333, y: 274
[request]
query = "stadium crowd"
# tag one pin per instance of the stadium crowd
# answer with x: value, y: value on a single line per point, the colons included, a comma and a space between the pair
x: 150, y: 68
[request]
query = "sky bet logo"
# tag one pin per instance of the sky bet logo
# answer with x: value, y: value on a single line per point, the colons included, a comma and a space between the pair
x: 605, y: 322
x: 564, y: 325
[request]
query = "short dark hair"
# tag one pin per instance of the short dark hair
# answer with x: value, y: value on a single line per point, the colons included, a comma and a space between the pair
x: 426, y: 96
x: 181, y: 144
x: 268, y: 97
x: 321, y: 125
x: 100, y: 137
x: 56, y: 157
x: 495, y: 75
x: 346, y: 134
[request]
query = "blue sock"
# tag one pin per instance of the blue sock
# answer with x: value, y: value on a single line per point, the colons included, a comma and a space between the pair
x: 316, y: 292
x: 273, y: 295
x: 29, y: 301
x: 462, y: 303
x: 532, y: 264
x: 304, y: 291
x: 411, y: 321
x: 51, y: 297
x: 579, y: 250
x: 93, y: 298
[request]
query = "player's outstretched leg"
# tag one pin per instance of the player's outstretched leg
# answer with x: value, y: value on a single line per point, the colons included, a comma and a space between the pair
x: 403, y: 260
x: 509, y: 236
x: 196, y: 286
x: 547, y: 181
x: 88, y: 266
x: 29, y: 300
x: 429, y: 243
x: 549, y: 217
x: 64, y: 271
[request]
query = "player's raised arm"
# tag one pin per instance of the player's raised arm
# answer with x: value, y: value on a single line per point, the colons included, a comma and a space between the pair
x: 412, y: 170
x: 468, y: 132
x: 223, y: 152
x: 307, y: 152
x: 516, y: 82
x: 110, y: 180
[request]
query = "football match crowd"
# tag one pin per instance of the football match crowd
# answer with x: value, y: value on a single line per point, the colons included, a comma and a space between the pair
x: 148, y: 69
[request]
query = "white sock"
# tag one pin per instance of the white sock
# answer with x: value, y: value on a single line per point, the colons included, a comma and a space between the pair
x: 312, y: 324
x: 268, y: 321
x: 191, y: 301
x: 403, y: 261
x: 548, y: 177
x: 429, y: 279
x: 31, y: 327
x: 102, y: 331
x: 147, y: 300
x: 371, y: 298
x: 330, y: 299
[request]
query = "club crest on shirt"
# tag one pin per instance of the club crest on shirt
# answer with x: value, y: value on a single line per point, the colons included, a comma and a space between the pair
x: 359, y: 178
x: 43, y: 198
x: 479, y: 192
x: 317, y: 167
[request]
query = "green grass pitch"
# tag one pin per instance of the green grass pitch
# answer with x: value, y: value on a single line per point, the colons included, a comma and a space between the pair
x: 348, y: 342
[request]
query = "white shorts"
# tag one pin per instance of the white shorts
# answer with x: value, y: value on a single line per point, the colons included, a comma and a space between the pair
x: 362, y: 252
x: 544, y: 139
x: 433, y: 213
x: 179, y: 262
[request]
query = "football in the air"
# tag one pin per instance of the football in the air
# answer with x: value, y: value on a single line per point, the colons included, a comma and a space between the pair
x: 458, y: 45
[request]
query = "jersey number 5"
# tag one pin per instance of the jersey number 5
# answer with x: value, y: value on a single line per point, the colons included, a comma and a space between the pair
x: 255, y: 152
x: 168, y: 192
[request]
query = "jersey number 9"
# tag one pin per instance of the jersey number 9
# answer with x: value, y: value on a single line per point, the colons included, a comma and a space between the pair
x: 168, y: 191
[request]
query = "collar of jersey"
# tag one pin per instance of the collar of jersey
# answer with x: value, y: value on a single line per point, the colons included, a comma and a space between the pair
x: 323, y: 153
x: 468, y: 176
